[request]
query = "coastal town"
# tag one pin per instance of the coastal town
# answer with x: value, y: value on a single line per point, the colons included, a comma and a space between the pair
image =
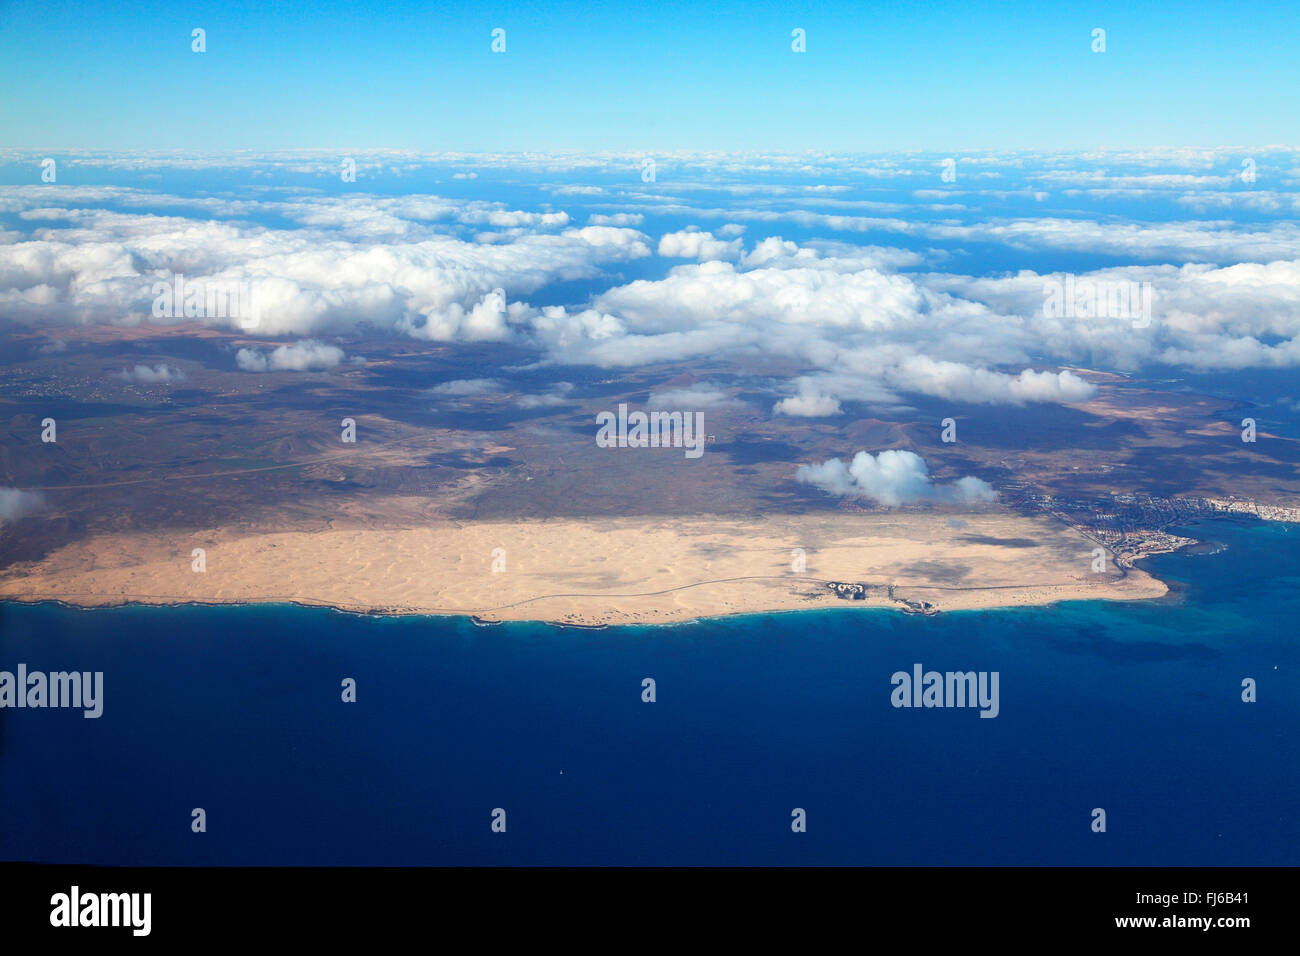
x: 1133, y: 526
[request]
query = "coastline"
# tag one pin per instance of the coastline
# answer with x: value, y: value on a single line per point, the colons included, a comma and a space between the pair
x: 597, y: 573
x: 475, y: 617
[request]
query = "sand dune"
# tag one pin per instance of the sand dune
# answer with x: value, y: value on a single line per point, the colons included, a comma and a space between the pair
x: 597, y: 571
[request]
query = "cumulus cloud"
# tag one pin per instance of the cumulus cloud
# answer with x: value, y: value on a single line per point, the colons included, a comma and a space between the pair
x: 891, y: 478
x: 634, y: 219
x: 468, y: 387
x: 817, y: 292
x: 485, y: 321
x: 251, y: 360
x: 557, y: 394
x: 307, y: 355
x: 807, y: 405
x: 383, y: 261
x: 1202, y: 316
x: 919, y: 373
x: 692, y: 397
x: 151, y: 375
x: 16, y: 503
x: 872, y: 332
x: 692, y: 244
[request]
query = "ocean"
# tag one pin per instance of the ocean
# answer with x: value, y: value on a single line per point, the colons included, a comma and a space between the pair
x: 1135, y: 709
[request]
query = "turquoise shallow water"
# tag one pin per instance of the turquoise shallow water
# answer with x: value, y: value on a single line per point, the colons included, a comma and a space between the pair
x: 1134, y: 708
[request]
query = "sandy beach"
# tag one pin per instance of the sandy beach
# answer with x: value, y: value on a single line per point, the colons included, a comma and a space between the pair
x: 597, y: 571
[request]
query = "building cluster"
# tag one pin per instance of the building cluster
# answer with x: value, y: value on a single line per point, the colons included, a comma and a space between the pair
x: 848, y: 592
x: 1132, y: 526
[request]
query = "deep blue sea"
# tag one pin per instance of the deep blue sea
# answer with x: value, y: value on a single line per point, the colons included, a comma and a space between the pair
x: 1133, y: 708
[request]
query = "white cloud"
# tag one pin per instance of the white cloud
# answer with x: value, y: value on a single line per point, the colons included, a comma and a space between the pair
x: 891, y: 478
x: 918, y: 373
x: 307, y: 355
x: 848, y: 323
x: 384, y: 261
x: 690, y: 244
x: 151, y: 375
x: 250, y: 360
x: 808, y: 405
x: 463, y: 387
x: 553, y: 395
x: 16, y: 503
x: 485, y: 321
x: 1179, y: 241
x: 693, y: 397
x: 616, y: 219
x: 577, y: 190
x: 557, y: 394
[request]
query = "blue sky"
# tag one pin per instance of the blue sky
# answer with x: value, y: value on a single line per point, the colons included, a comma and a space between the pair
x: 646, y: 76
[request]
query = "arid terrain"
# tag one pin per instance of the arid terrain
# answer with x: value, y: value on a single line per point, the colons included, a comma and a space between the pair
x: 448, y: 466
x: 600, y: 571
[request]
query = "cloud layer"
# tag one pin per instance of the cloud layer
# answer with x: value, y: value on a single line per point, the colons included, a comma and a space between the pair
x: 832, y: 321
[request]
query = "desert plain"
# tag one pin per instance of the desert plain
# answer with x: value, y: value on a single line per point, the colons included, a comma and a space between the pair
x: 599, y: 571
